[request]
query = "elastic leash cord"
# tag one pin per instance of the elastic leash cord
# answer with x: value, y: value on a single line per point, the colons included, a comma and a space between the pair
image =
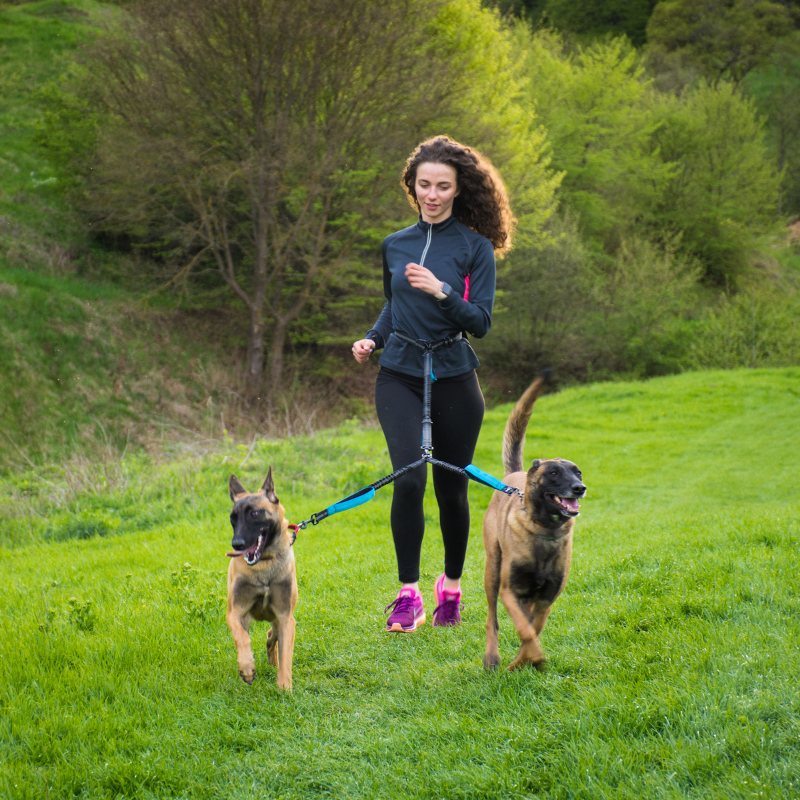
x: 470, y: 471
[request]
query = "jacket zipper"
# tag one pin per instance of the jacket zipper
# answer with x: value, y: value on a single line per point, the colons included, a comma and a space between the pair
x: 427, y: 245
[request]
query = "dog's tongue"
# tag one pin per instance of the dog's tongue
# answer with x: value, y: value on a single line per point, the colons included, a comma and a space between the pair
x: 248, y: 552
x: 570, y: 503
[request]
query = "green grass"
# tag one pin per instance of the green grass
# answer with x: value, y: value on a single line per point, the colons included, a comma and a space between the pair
x: 673, y: 655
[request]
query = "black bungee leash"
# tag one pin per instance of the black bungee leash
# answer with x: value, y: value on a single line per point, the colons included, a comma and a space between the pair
x: 470, y: 471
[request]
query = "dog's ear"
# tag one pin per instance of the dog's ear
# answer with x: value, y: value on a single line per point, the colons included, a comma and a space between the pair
x: 537, y: 462
x: 235, y: 488
x: 269, y: 488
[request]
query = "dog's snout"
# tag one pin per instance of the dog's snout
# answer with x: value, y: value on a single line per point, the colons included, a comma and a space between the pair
x: 579, y: 489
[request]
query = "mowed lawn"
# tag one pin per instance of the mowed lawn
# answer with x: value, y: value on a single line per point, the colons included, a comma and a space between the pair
x: 673, y: 656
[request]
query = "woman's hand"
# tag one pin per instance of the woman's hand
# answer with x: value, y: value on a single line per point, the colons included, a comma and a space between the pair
x: 422, y: 278
x: 362, y: 350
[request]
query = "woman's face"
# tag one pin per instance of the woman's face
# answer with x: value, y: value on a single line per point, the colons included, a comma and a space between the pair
x: 436, y: 189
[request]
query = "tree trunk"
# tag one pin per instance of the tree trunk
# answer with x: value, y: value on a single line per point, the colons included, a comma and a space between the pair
x: 255, y: 349
x: 276, y: 358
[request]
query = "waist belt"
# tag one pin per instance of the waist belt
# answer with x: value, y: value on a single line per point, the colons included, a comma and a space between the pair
x: 425, y: 344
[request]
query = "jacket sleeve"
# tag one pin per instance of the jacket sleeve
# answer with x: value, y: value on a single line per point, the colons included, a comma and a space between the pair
x: 380, y: 331
x: 475, y: 315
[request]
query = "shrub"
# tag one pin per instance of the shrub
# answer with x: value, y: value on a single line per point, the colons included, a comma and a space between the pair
x: 756, y: 328
x: 559, y: 307
x: 724, y: 190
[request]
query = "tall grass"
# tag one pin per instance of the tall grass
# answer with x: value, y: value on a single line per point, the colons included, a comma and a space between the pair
x: 672, y: 653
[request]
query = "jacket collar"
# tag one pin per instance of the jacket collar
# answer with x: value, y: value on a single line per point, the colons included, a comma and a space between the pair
x: 438, y: 227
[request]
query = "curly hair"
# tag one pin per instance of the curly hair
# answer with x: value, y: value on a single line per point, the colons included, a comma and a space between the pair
x: 482, y: 201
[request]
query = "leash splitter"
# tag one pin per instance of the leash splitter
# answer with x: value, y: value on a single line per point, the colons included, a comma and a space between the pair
x: 470, y: 471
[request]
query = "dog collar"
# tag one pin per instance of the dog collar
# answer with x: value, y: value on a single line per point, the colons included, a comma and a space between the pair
x: 293, y: 528
x: 551, y: 538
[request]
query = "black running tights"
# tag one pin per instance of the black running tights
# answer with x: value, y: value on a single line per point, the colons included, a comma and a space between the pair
x: 457, y: 413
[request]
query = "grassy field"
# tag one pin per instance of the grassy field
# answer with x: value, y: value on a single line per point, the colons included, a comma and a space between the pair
x: 673, y: 656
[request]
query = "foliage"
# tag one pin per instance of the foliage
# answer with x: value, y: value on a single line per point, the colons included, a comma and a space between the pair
x: 560, y: 308
x: 755, y: 328
x: 597, y: 17
x: 723, y: 192
x: 775, y: 87
x: 593, y: 18
x: 263, y: 154
x: 723, y: 39
x: 672, y: 652
x: 592, y: 103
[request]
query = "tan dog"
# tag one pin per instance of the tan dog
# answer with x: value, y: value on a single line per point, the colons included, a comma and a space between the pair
x: 528, y: 541
x: 262, y: 583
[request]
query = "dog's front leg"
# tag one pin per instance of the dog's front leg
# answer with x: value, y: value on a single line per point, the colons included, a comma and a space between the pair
x: 286, y: 630
x: 530, y: 651
x: 284, y: 600
x: 240, y: 628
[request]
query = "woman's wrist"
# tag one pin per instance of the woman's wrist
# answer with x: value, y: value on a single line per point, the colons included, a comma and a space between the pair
x: 444, y: 292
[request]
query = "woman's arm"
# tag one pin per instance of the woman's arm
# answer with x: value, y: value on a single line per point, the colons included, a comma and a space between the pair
x: 475, y: 315
x: 379, y: 333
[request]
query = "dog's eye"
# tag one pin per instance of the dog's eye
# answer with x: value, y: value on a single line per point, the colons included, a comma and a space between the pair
x: 233, y: 518
x: 253, y: 512
x: 554, y: 472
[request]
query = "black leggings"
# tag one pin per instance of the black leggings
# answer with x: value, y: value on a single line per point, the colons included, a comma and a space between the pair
x: 457, y: 413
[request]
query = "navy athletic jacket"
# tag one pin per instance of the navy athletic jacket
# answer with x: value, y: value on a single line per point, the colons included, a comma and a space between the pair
x: 456, y: 255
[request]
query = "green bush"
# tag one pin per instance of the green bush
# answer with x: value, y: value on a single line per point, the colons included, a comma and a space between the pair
x: 756, y: 328
x: 724, y: 189
x: 594, y: 105
x: 563, y: 308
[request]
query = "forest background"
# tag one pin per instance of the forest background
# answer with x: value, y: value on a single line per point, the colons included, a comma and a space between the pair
x: 193, y: 196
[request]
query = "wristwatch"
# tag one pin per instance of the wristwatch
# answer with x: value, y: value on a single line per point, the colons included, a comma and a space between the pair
x: 444, y: 292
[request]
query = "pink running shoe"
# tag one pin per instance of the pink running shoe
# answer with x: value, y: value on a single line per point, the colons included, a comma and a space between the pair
x: 448, y: 605
x: 408, y: 612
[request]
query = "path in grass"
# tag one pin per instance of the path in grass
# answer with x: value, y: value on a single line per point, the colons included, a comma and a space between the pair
x: 673, y: 656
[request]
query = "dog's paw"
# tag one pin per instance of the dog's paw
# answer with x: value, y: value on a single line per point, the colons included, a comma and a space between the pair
x: 529, y: 653
x: 247, y: 676
x: 285, y: 685
x: 491, y: 661
x: 520, y: 662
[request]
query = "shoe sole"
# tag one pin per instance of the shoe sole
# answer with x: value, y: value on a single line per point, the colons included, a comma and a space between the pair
x: 398, y: 628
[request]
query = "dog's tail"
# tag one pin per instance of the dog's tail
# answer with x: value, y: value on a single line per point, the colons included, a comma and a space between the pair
x: 514, y: 436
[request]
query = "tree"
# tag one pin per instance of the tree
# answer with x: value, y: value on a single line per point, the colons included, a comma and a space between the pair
x: 724, y: 39
x: 776, y: 90
x: 257, y: 138
x: 724, y: 190
x: 597, y: 17
x: 593, y: 103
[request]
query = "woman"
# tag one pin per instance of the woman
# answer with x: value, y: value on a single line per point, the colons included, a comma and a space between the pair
x: 439, y: 280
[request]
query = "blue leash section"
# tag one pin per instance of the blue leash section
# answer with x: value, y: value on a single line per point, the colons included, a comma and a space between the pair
x: 470, y: 471
x: 367, y: 493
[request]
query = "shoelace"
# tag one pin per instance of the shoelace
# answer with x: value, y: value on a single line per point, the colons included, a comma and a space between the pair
x: 400, y: 604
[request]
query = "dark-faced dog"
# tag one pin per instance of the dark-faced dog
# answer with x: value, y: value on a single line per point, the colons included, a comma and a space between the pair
x: 528, y: 541
x: 262, y: 583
